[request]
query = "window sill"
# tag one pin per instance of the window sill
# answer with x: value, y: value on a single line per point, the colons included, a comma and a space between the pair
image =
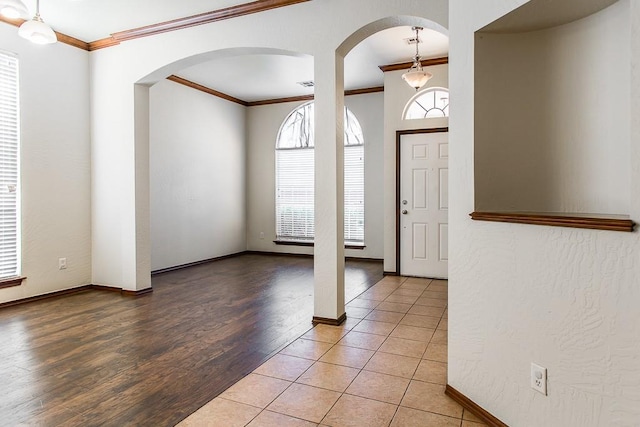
x: 9, y: 282
x: 310, y: 244
x: 572, y: 220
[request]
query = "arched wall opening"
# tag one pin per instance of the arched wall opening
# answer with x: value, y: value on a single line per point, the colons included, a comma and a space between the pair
x: 396, y: 94
x: 329, y: 255
x: 198, y: 147
x: 329, y: 99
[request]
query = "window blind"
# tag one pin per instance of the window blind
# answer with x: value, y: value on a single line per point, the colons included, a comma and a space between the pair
x: 9, y: 139
x: 295, y: 194
x: 295, y: 191
x: 354, y: 193
x: 295, y: 177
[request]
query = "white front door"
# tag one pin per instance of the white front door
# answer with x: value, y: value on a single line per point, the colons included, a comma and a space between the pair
x: 424, y: 204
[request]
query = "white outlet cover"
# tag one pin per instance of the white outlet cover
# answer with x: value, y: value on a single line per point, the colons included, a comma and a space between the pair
x: 539, y: 378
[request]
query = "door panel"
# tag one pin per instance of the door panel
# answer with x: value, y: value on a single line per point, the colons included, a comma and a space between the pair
x: 420, y: 241
x: 420, y: 189
x: 424, y: 204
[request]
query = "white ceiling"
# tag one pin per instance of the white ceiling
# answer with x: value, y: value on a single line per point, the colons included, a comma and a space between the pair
x: 276, y: 75
x: 259, y: 77
x: 91, y: 20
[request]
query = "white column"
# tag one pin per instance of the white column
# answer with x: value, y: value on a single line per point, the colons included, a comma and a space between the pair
x: 329, y: 189
x: 142, y: 204
x: 120, y: 187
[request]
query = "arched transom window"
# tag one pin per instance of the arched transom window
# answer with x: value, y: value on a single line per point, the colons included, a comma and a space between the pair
x: 433, y: 102
x: 295, y: 177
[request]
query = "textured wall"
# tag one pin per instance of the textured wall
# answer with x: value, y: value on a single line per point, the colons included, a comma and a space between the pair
x: 197, y: 173
x: 565, y: 299
x: 56, y: 223
x: 551, y: 117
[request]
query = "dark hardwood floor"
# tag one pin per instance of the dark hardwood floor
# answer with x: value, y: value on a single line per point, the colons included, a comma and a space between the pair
x: 99, y: 358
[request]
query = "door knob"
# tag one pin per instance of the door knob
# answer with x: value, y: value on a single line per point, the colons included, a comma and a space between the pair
x: 404, y: 212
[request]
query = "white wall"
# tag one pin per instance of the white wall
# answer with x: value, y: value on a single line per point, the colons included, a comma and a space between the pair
x: 566, y: 299
x: 263, y: 124
x: 397, y: 94
x: 197, y: 173
x: 552, y: 116
x: 55, y: 150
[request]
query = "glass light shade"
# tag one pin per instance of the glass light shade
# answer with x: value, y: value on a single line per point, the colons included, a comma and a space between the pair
x: 416, y: 78
x: 37, y: 31
x: 13, y: 9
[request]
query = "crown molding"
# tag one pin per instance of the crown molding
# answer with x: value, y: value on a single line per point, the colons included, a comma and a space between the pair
x: 311, y: 97
x: 191, y: 21
x: 407, y: 65
x: 364, y: 91
x: 280, y: 100
x: 62, y: 38
x: 173, y: 25
x: 201, y: 88
x: 196, y: 86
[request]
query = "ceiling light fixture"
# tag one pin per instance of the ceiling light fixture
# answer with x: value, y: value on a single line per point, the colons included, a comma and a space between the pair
x: 416, y: 77
x: 36, y: 30
x: 13, y: 9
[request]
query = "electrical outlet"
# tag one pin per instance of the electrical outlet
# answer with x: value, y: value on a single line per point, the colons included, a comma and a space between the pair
x: 262, y: 235
x: 62, y: 263
x: 539, y: 378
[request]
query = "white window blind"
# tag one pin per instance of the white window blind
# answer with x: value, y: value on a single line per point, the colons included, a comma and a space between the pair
x: 9, y: 140
x: 294, y: 198
x: 354, y: 193
x: 295, y: 177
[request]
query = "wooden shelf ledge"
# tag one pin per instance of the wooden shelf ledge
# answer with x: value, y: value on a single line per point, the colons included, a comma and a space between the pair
x: 9, y: 282
x: 573, y: 220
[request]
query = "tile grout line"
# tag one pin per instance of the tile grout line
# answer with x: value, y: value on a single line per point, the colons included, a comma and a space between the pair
x: 344, y: 333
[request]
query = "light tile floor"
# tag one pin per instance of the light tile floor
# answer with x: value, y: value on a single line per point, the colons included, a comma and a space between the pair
x: 386, y: 366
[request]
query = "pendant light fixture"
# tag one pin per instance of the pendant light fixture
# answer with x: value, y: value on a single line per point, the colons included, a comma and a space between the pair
x: 416, y: 77
x: 36, y: 30
x: 13, y: 9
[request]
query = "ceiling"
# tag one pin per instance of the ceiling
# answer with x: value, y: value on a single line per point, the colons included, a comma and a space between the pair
x: 279, y: 75
x: 91, y: 20
x: 540, y: 14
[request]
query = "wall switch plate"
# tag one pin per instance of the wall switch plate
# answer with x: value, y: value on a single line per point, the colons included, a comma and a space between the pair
x: 62, y: 263
x: 261, y: 235
x: 539, y: 378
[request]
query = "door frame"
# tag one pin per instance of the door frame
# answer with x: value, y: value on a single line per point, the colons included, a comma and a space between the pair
x: 399, y: 134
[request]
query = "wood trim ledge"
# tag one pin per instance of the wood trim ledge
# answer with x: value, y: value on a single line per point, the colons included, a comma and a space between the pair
x: 9, y: 282
x: 594, y: 222
x: 332, y: 322
x: 473, y: 407
x: 311, y: 244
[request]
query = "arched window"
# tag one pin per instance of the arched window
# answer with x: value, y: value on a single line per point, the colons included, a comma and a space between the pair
x: 295, y: 177
x: 433, y: 102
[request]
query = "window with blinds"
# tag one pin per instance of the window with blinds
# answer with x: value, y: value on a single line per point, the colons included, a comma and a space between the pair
x: 9, y: 152
x: 295, y: 177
